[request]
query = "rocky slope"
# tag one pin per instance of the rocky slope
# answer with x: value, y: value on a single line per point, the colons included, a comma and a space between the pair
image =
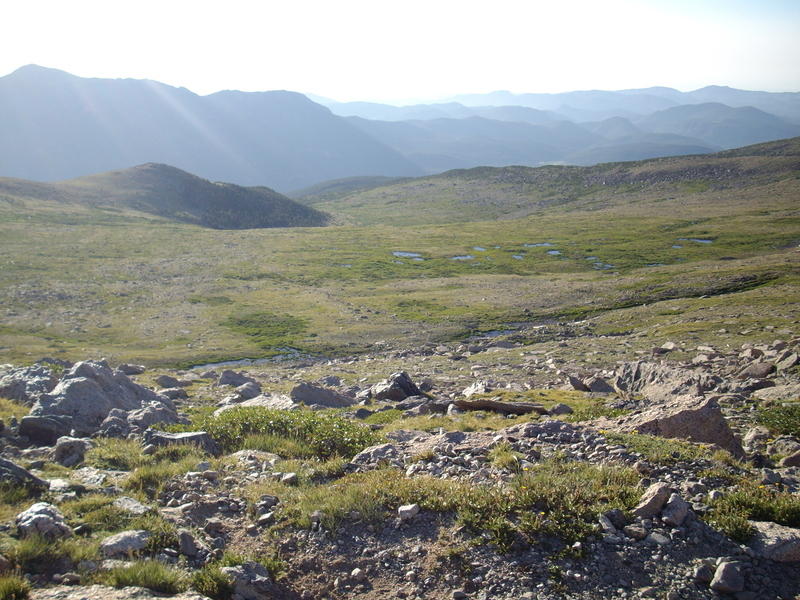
x: 672, y: 476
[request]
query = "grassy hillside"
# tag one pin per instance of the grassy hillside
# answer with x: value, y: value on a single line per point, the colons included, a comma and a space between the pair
x: 166, y: 192
x: 691, y: 245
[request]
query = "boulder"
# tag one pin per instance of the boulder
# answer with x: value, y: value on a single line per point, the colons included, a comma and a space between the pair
x: 779, y: 392
x: 598, y: 385
x: 70, y: 451
x: 26, y: 384
x: 793, y: 460
x: 481, y: 386
x: 202, y: 440
x: 131, y: 506
x: 309, y: 394
x: 274, y: 401
x: 250, y: 581
x: 577, y: 384
x: 233, y: 379
x: 124, y: 544
x: 45, y: 430
x: 652, y: 501
x: 42, y: 519
x: 787, y: 361
x: 248, y: 390
x: 142, y: 418
x: 376, y: 454
x: 661, y: 383
x: 675, y: 511
x: 756, y: 370
x: 16, y: 475
x: 728, y: 578
x: 167, y: 381
x: 129, y: 369
x: 696, y: 419
x: 776, y: 542
x: 396, y: 388
x: 86, y: 395
x: 561, y: 409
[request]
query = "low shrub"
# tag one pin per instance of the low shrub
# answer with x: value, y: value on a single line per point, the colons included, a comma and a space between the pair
x: 324, y: 433
x: 660, y: 450
x: 14, y: 587
x: 784, y: 420
x: 751, y: 501
x: 36, y: 554
x: 149, y: 574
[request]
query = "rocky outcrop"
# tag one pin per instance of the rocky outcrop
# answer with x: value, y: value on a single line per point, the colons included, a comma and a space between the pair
x: 660, y: 383
x: 310, y: 394
x: 776, y: 542
x: 696, y: 419
x: 70, y: 451
x: 26, y: 384
x: 17, y: 476
x: 42, y: 519
x: 396, y: 388
x: 85, y: 397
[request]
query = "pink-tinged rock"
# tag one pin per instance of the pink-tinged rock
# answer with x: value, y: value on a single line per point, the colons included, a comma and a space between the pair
x: 776, y: 542
x: 652, y: 501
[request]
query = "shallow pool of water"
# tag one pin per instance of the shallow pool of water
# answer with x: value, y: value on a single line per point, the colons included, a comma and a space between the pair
x: 554, y: 252
x: 696, y: 240
x: 463, y: 257
x: 517, y: 256
x: 479, y: 248
x: 538, y: 245
x: 677, y: 246
x: 403, y: 254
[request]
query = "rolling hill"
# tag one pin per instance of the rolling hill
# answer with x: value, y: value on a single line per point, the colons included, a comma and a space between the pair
x: 167, y: 192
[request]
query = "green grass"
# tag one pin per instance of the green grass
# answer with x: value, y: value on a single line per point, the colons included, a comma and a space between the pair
x: 555, y: 499
x: 149, y: 574
x: 783, y: 420
x: 14, y: 587
x: 503, y: 456
x: 659, y: 450
x: 228, y: 290
x: 324, y: 434
x: 35, y: 554
x: 11, y: 408
x: 751, y: 501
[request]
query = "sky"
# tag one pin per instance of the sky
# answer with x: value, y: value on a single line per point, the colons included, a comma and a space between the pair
x: 412, y: 50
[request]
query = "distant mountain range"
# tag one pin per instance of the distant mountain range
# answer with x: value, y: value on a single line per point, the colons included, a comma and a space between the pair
x: 57, y: 126
x: 170, y: 193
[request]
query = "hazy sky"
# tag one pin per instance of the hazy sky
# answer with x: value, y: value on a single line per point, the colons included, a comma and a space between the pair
x: 411, y: 49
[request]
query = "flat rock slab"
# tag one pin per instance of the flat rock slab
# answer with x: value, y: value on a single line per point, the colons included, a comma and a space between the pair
x: 512, y: 408
x: 93, y: 592
x: 776, y: 542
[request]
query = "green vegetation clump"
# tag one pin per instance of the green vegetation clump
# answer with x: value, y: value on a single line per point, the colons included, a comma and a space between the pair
x: 659, y: 450
x: 267, y: 330
x: 503, y: 456
x: 14, y: 587
x: 556, y: 499
x: 149, y: 574
x: 781, y: 419
x: 210, y: 581
x: 751, y: 501
x: 324, y: 433
x: 36, y: 554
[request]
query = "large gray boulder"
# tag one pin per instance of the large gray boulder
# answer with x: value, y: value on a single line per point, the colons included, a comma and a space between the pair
x: 250, y: 581
x: 696, y: 419
x: 70, y: 451
x: 776, y: 542
x: 309, y: 394
x: 42, y: 519
x: 200, y: 439
x: 16, y: 475
x: 26, y: 384
x: 274, y: 401
x: 661, y: 383
x: 124, y: 544
x: 84, y: 398
x: 396, y: 388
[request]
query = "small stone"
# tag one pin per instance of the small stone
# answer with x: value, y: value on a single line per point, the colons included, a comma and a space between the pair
x: 458, y: 595
x: 675, y: 511
x: 358, y: 575
x: 408, y: 512
x: 652, y: 501
x: 703, y: 574
x: 728, y: 578
x: 289, y: 479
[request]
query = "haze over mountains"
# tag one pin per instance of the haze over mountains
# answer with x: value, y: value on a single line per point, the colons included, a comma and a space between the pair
x: 58, y: 126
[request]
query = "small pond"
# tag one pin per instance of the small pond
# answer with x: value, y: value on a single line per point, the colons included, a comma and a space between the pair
x: 538, y: 245
x: 696, y: 240
x: 463, y: 257
x: 403, y: 254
